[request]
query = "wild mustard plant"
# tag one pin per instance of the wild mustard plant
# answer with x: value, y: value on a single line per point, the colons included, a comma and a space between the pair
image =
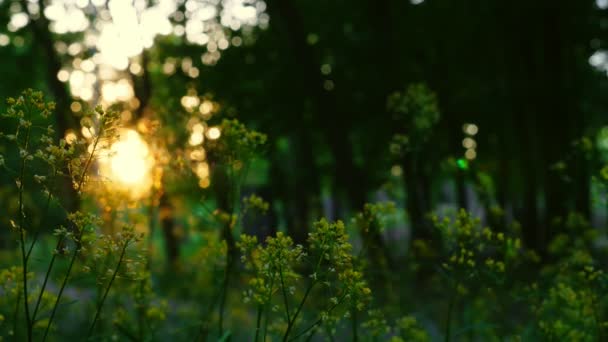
x: 370, y: 222
x: 42, y: 163
x: 231, y: 153
x: 275, y: 268
x: 570, y: 313
x: 573, y: 304
x: 474, y: 257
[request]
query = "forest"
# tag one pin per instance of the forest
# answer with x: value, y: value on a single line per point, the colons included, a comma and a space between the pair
x: 303, y: 170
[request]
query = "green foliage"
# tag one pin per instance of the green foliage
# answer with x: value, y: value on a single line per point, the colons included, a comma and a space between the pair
x: 275, y: 268
x: 473, y: 252
x: 417, y: 111
x: 75, y: 279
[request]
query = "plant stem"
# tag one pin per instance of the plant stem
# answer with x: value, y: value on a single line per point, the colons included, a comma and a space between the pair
x: 259, y: 321
x: 448, y: 324
x: 267, y: 307
x: 46, y: 279
x: 284, y: 294
x: 105, y: 295
x: 318, y: 321
x: 225, y: 285
x: 265, y: 327
x: 24, y: 254
x: 16, y: 314
x: 295, y: 315
x: 61, y: 289
x: 312, y: 284
x: 45, y: 212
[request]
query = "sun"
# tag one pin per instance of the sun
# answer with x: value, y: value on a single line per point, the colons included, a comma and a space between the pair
x: 127, y: 164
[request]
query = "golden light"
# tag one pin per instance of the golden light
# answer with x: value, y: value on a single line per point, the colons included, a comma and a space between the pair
x: 196, y: 138
x: 470, y: 129
x: 202, y: 170
x: 193, y: 72
x: 70, y: 137
x: 88, y: 132
x: 198, y: 154
x: 470, y: 154
x: 206, y: 107
x: 469, y: 143
x: 63, y: 75
x: 204, y: 183
x: 127, y: 164
x: 189, y: 102
x: 213, y: 133
x: 75, y: 107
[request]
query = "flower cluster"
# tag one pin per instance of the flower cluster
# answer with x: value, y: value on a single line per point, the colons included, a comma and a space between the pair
x: 335, y: 268
x: 237, y: 144
x: 108, y: 254
x: 473, y: 252
x: 255, y: 203
x: 570, y: 313
x: 273, y: 265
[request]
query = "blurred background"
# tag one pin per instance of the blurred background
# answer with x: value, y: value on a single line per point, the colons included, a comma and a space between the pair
x: 509, y: 108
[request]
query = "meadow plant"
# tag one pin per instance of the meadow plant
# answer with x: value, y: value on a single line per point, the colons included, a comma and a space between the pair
x: 318, y: 290
x: 474, y: 258
x: 276, y: 269
x: 32, y: 138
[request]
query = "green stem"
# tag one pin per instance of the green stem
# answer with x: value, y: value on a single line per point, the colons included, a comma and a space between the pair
x: 267, y: 306
x: 320, y: 320
x: 61, y: 289
x: 286, y: 302
x: 295, y: 315
x: 310, y: 286
x: 16, y: 313
x: 225, y: 285
x: 448, y: 324
x: 265, y: 327
x: 46, y: 279
x: 45, y: 212
x: 105, y: 295
x: 259, y: 321
x: 24, y: 254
